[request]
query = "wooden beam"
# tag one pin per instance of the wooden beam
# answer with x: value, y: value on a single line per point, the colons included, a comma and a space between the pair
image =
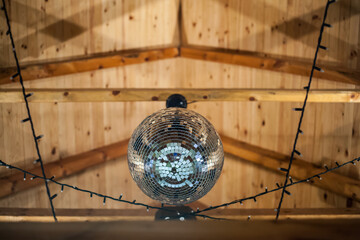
x: 45, y: 215
x: 63, y: 167
x: 209, y: 230
x: 90, y: 63
x: 127, y: 95
x: 266, y: 62
x: 332, y: 181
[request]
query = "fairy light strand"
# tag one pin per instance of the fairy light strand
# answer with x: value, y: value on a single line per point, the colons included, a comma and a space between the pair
x: 267, y: 191
x: 302, y: 109
x: 194, y: 213
x: 29, y: 118
x: 91, y: 193
x: 198, y: 211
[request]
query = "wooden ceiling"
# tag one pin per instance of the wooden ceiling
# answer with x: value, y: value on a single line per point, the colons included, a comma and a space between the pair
x: 98, y: 68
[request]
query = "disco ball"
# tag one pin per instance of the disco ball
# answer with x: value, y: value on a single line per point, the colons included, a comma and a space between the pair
x: 175, y: 156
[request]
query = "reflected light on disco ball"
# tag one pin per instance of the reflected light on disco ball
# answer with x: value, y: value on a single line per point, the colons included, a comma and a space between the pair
x: 175, y: 156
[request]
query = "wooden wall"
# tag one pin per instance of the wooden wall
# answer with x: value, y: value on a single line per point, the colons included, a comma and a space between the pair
x: 48, y: 30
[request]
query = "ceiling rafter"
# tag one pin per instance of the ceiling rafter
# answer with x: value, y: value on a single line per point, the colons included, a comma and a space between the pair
x: 122, y: 58
x: 301, y: 169
x: 267, y: 62
x: 64, y: 167
x: 264, y: 158
x: 222, y: 94
x: 256, y: 60
x: 42, y: 214
x: 305, y: 229
x: 87, y: 63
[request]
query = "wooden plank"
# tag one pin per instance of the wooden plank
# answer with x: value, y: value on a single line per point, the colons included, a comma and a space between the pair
x: 44, y: 214
x: 130, y: 95
x: 93, y: 62
x: 300, y: 169
x: 266, y: 62
x: 304, y: 229
x: 63, y: 167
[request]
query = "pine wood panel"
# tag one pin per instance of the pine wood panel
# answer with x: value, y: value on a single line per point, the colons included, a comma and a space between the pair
x: 332, y: 131
x: 45, y: 30
x: 83, y: 126
x: 288, y: 28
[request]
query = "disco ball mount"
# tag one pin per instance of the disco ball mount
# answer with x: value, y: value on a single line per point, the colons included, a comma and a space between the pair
x: 176, y: 100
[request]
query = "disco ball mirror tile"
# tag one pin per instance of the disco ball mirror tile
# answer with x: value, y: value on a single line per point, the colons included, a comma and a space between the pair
x: 175, y: 156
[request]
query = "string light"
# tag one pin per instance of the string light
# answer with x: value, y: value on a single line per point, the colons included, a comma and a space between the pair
x: 241, y: 201
x: 14, y: 76
x: 36, y: 138
x: 36, y: 161
x: 182, y: 218
x: 298, y: 153
x: 302, y: 109
x: 198, y: 211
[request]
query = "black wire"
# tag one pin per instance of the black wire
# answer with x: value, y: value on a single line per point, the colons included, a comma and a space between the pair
x: 191, y: 102
x: 91, y: 193
x: 278, y: 188
x: 303, y: 108
x: 46, y: 180
x: 283, y: 188
x: 28, y: 109
x: 197, y: 213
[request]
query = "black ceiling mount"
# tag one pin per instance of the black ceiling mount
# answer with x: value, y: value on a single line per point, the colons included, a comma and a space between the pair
x: 176, y: 100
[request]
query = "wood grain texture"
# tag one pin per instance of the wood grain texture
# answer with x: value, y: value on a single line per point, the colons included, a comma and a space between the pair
x: 49, y: 31
x: 85, y: 64
x: 54, y: 30
x: 132, y: 95
x: 274, y: 27
x: 307, y: 229
x: 44, y: 215
x: 79, y: 127
x: 62, y: 168
x: 300, y: 169
x: 265, y: 62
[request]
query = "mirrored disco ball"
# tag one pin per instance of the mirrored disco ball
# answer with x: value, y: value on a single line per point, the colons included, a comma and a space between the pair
x: 175, y: 156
